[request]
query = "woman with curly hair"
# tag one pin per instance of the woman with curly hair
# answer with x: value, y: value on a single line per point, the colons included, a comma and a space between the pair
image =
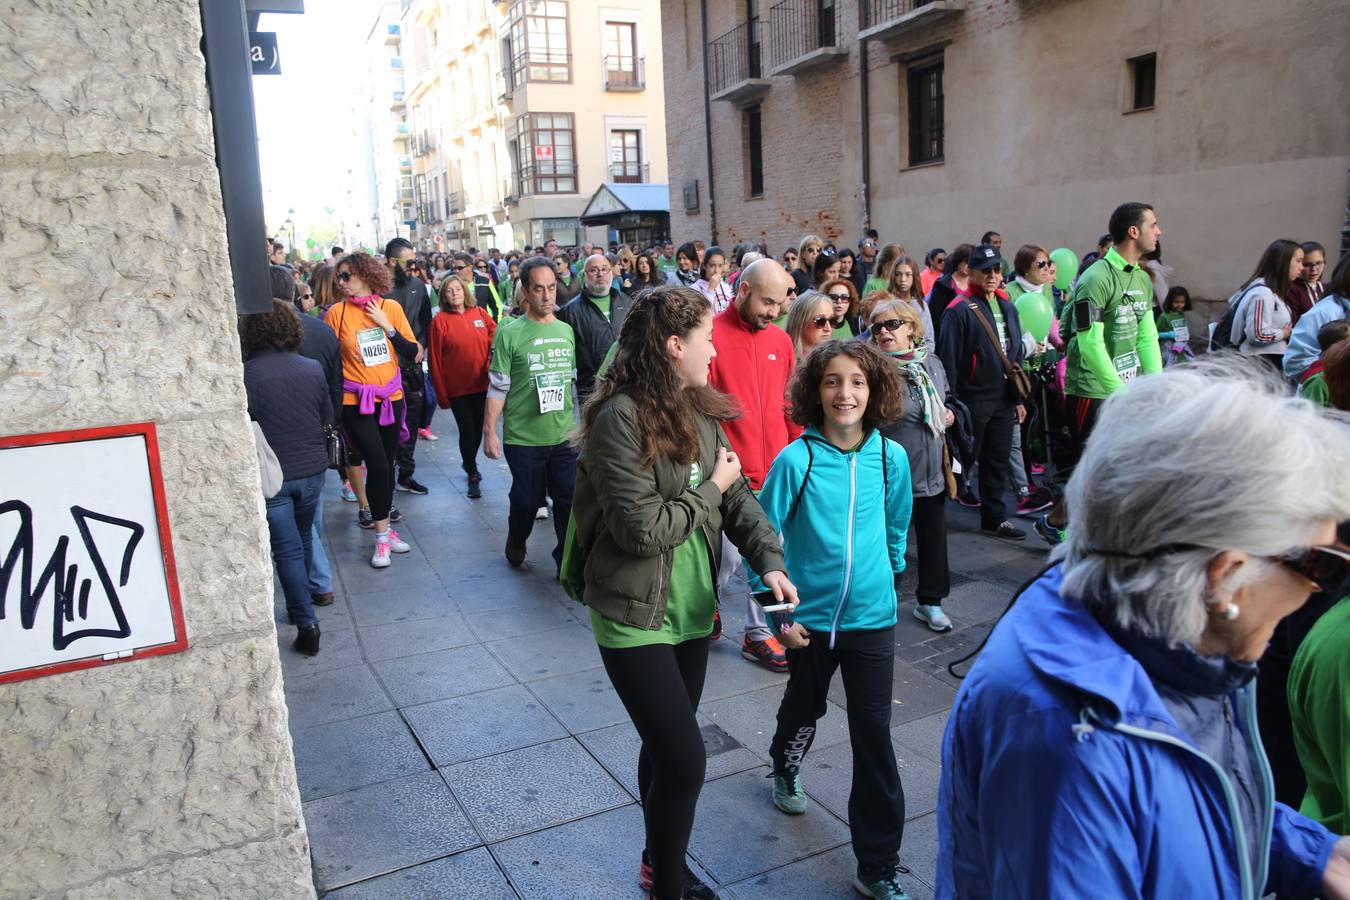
x: 656, y: 487
x: 288, y: 398
x: 847, y: 557
x: 372, y: 332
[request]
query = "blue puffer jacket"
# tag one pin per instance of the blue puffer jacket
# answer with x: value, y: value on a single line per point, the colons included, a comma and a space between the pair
x: 1063, y: 775
x: 845, y: 541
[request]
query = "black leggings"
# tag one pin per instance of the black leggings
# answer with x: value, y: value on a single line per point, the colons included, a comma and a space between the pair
x: 660, y: 686
x: 378, y: 445
x: 468, y: 413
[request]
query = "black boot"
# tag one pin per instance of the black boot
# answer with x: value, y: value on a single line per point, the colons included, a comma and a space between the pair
x: 307, y: 640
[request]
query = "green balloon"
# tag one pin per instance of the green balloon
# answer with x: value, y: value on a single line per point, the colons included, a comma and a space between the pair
x: 1036, y: 313
x: 1066, y: 267
x: 309, y: 242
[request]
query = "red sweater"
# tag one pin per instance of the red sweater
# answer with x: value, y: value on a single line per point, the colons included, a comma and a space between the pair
x: 753, y: 367
x: 458, y: 353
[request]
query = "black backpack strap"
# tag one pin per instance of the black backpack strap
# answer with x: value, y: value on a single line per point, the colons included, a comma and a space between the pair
x: 797, y: 500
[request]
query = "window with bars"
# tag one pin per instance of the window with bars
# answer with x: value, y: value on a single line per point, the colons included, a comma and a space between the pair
x: 545, y: 153
x: 538, y: 40
x: 925, y: 112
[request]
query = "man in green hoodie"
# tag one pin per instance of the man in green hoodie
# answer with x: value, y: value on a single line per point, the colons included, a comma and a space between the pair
x: 1110, y: 335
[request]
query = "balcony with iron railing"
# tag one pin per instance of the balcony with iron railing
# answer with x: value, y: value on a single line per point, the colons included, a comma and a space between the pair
x: 548, y: 177
x: 510, y: 190
x: 880, y: 19
x: 803, y: 34
x: 734, y: 70
x: 542, y: 65
x: 625, y: 73
x: 630, y: 173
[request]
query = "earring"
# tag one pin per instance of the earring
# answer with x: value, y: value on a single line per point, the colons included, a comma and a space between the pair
x: 1229, y: 611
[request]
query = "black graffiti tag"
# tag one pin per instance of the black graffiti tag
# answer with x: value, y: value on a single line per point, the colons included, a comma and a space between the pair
x: 70, y: 593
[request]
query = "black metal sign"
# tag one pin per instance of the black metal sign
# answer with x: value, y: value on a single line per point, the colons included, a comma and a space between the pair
x: 263, y: 54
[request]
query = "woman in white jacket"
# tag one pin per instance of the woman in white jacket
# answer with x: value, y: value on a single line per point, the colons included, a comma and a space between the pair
x: 1263, y: 323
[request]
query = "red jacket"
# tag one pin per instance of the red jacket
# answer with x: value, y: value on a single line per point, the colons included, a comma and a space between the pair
x: 753, y: 367
x: 458, y: 353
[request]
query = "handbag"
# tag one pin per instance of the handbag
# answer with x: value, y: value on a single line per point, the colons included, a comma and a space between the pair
x: 1019, y: 385
x: 268, y: 466
x: 336, y: 446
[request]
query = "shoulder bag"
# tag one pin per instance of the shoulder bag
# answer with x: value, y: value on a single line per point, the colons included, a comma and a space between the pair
x: 1019, y: 385
x: 269, y: 468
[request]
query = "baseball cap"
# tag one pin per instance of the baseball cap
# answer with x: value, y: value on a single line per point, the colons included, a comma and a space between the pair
x: 985, y: 257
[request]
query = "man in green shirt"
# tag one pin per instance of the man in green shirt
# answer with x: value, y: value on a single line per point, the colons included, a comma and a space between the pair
x: 1110, y: 335
x: 666, y: 261
x: 532, y: 372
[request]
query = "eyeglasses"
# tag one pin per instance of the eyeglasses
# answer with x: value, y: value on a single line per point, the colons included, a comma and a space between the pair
x: 1042, y: 263
x: 344, y: 277
x: 888, y: 325
x: 309, y: 296
x: 939, y: 260
x: 839, y: 298
x: 1326, y: 567
x: 459, y: 268
x: 822, y: 322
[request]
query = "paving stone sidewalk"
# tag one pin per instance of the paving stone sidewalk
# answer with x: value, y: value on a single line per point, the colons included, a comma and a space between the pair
x: 458, y: 738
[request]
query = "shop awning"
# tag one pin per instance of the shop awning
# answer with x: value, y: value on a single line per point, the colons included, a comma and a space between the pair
x: 614, y: 201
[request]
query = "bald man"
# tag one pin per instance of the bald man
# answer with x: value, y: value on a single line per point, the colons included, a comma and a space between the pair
x: 596, y: 315
x: 753, y: 363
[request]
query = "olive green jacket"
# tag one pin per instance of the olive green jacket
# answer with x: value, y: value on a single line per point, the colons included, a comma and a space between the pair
x: 628, y: 519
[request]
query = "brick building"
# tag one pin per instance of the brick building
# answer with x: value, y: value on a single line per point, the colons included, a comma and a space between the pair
x: 1030, y: 117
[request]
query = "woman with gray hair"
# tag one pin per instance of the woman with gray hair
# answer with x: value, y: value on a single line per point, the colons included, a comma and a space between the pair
x: 1105, y: 743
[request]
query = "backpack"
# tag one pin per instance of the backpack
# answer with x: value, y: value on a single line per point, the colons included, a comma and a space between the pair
x: 1222, y: 338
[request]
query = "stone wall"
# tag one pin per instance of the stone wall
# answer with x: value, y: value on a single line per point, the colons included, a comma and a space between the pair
x: 170, y: 776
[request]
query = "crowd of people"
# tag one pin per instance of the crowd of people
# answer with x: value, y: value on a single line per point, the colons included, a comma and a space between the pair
x: 685, y: 412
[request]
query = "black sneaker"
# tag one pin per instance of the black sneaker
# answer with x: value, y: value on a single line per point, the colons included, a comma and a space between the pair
x: 515, y: 552
x: 412, y: 486
x: 475, y: 486
x: 968, y: 499
x: 364, y: 518
x: 395, y: 515
x: 307, y: 640
x: 694, y: 889
x: 1006, y: 530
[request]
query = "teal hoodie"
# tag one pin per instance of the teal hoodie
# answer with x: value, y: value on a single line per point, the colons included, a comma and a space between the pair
x: 845, y: 542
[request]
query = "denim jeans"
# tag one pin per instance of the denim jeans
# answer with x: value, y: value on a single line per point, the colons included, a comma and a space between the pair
x: 535, y: 470
x: 290, y: 522
x: 316, y: 563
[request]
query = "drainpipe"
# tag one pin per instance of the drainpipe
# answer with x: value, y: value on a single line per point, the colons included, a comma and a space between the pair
x: 707, y: 125
x: 865, y: 119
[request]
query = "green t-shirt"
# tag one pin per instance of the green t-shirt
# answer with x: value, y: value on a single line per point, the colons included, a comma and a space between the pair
x: 603, y: 302
x: 873, y: 284
x: 1175, y: 324
x: 666, y: 263
x: 689, y: 605
x: 999, y: 323
x: 1109, y: 328
x: 540, y: 360
x: 1319, y: 707
x: 842, y: 333
x: 1315, y: 389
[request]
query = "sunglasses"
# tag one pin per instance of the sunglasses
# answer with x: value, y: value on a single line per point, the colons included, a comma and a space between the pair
x: 460, y: 268
x: 1326, y: 567
x: 1042, y: 263
x: 839, y: 298
x: 888, y: 325
x: 822, y: 322
x: 306, y: 296
x: 344, y: 277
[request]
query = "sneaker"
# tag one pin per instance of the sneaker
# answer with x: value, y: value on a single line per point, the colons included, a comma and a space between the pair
x: 475, y: 486
x: 768, y: 653
x: 307, y: 640
x: 1033, y: 502
x: 1038, y: 468
x: 324, y: 599
x: 693, y: 887
x: 426, y: 435
x: 380, y: 559
x: 717, y: 625
x: 887, y: 887
x: 1006, y: 530
x: 542, y: 513
x: 933, y: 617
x: 347, y: 493
x: 395, y: 515
x: 364, y: 518
x: 968, y: 500
x: 411, y: 485
x: 515, y: 552
x: 788, y: 794
x: 1048, y: 533
x: 396, y: 543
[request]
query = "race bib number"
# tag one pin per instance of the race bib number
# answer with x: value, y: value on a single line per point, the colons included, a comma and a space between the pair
x: 374, y: 346
x: 1127, y: 366
x: 1181, y: 332
x: 552, y: 390
x: 478, y: 323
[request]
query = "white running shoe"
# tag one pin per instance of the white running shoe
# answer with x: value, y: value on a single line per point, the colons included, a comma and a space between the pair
x: 542, y: 513
x: 932, y: 616
x: 396, y: 543
x: 381, y: 558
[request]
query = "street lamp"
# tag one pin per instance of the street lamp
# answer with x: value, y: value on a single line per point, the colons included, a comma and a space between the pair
x: 290, y: 223
x: 394, y: 209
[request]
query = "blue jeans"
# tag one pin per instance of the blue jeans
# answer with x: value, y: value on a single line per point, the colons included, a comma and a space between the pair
x: 316, y: 563
x: 535, y: 470
x: 290, y: 522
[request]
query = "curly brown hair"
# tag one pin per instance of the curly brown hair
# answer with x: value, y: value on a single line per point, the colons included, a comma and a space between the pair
x: 885, y: 401
x: 276, y: 330
x: 370, y: 270
x: 642, y: 369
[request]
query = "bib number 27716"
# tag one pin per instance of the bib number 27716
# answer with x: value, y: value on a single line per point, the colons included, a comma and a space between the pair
x: 552, y: 391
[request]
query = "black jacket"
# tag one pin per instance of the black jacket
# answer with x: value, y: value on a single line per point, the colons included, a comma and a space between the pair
x: 594, y: 333
x: 972, y: 363
x: 484, y: 297
x: 939, y: 298
x: 321, y: 345
x: 288, y: 398
x: 414, y: 295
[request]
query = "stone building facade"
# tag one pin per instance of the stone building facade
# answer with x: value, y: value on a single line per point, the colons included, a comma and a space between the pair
x: 1041, y: 116
x: 171, y: 776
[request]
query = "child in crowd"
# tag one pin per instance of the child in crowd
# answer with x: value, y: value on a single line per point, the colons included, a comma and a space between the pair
x: 1314, y: 382
x: 840, y: 496
x: 1173, y: 334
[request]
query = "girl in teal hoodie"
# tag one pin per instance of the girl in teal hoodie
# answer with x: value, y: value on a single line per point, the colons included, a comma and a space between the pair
x: 840, y: 497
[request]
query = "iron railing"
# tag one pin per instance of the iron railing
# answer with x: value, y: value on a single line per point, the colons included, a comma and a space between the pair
x: 549, y: 177
x: 630, y: 173
x: 734, y: 57
x: 879, y: 12
x: 540, y: 65
x: 799, y: 27
x: 625, y: 73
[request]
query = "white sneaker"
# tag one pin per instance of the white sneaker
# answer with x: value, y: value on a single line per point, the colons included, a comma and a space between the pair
x: 542, y: 513
x: 381, y: 558
x: 396, y: 543
x: 933, y: 617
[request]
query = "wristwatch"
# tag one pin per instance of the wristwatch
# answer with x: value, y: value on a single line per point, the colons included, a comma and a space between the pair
x: 391, y: 331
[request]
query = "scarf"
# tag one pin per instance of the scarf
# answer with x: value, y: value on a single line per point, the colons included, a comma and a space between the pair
x: 911, y: 363
x: 362, y: 302
x: 1028, y: 286
x: 686, y: 278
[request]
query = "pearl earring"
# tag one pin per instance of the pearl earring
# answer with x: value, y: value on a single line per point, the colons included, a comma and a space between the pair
x: 1229, y: 611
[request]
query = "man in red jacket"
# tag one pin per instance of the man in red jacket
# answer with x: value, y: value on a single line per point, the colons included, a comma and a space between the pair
x: 753, y: 364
